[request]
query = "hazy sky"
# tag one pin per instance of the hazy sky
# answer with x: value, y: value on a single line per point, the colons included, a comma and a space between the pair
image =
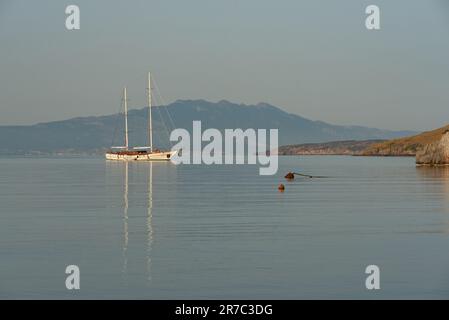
x: 313, y: 58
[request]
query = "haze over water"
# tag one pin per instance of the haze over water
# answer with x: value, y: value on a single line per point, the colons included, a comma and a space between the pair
x: 152, y: 231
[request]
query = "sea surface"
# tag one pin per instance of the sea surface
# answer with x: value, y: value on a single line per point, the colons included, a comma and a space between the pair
x: 160, y: 231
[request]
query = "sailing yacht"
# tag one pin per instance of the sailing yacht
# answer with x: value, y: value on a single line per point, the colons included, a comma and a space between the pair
x: 147, y: 153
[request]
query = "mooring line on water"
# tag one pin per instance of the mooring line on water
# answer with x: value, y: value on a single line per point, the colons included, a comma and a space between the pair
x: 291, y: 175
x: 309, y: 176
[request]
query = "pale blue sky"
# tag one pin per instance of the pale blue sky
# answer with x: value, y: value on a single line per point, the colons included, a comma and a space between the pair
x: 314, y: 58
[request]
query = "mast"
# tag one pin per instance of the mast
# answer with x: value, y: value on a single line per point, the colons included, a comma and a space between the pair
x: 126, y: 117
x: 150, y: 125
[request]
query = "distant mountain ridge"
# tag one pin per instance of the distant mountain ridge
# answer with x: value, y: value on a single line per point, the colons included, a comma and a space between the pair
x: 96, y: 133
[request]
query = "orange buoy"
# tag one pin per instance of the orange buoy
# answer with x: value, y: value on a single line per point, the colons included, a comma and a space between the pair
x: 281, y: 187
x: 289, y: 176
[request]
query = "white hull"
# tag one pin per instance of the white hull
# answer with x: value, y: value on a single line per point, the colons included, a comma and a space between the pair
x: 156, y: 156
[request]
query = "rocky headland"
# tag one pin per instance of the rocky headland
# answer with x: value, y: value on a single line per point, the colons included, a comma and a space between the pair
x: 435, y: 153
x: 407, y: 146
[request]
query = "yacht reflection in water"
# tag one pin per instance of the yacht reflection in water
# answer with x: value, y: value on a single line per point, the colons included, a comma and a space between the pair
x: 125, y: 219
x: 149, y: 220
x: 149, y: 217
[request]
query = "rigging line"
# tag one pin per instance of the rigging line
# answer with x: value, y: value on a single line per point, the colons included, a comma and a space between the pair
x: 116, y: 122
x: 165, y: 126
x: 162, y: 120
x: 164, y: 104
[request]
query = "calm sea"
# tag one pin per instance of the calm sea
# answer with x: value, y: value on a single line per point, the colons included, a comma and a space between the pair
x: 159, y: 231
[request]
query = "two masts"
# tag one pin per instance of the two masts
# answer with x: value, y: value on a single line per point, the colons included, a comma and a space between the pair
x: 146, y: 153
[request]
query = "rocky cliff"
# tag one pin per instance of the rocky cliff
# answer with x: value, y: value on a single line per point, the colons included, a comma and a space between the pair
x: 408, y: 146
x: 436, y: 153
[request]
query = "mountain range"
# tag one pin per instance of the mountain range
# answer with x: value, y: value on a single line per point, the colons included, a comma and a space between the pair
x: 96, y: 133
